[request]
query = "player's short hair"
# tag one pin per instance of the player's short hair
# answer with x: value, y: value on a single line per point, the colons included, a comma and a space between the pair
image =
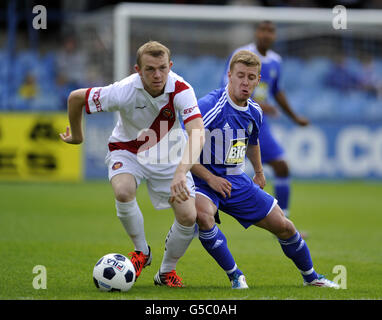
x: 264, y: 22
x: 247, y: 58
x: 154, y: 49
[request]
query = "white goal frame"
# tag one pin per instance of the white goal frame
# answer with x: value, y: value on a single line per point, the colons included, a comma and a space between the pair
x: 124, y: 12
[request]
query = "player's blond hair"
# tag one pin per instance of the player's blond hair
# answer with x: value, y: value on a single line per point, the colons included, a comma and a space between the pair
x: 154, y: 49
x: 247, y: 58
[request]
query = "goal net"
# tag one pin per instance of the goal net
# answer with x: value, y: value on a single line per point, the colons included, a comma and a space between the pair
x: 202, y: 37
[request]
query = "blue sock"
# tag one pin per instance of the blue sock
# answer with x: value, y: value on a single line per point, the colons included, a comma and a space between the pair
x: 282, y: 193
x: 215, y: 243
x: 296, y: 249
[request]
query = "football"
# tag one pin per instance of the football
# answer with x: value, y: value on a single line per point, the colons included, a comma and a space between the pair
x: 114, y: 272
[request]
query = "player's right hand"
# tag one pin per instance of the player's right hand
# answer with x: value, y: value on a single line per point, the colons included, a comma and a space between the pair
x: 259, y: 179
x: 179, y: 190
x: 68, y: 138
x: 221, y: 185
x: 269, y: 110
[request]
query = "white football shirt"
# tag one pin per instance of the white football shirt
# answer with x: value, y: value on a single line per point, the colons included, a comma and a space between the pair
x: 149, y: 127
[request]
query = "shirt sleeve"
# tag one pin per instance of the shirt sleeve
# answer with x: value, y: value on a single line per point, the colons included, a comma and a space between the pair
x: 185, y: 101
x: 256, y: 126
x: 100, y: 99
x: 254, y: 136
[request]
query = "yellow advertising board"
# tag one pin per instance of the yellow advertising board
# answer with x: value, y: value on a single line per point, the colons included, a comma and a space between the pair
x: 31, y: 149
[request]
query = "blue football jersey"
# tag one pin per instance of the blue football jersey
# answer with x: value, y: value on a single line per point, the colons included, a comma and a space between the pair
x: 270, y: 73
x: 229, y: 130
x: 268, y: 87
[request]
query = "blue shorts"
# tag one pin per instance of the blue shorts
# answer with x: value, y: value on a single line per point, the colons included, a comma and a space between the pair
x: 269, y: 147
x: 248, y: 203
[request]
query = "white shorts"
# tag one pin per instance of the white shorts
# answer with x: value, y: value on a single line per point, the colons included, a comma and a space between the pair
x: 158, y: 176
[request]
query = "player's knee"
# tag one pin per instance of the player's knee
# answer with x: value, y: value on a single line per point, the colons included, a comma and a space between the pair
x: 280, y: 168
x: 286, y: 230
x: 185, y: 212
x: 124, y: 195
x: 186, y: 219
x: 204, y: 220
x: 124, y: 187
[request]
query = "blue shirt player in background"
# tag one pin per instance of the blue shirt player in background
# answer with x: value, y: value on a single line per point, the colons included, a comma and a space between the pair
x: 232, y: 122
x: 271, y: 151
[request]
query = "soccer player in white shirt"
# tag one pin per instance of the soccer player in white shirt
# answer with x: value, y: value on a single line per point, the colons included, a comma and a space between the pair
x: 142, y: 147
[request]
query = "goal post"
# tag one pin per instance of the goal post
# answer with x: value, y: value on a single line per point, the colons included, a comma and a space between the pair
x: 125, y: 12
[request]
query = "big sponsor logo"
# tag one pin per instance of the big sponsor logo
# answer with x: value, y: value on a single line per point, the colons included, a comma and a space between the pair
x: 236, y: 151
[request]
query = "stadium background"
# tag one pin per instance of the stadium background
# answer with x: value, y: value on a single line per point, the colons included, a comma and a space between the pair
x: 333, y: 77
x: 336, y: 162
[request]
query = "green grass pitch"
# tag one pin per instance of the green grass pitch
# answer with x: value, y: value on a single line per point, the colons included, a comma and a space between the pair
x: 67, y: 227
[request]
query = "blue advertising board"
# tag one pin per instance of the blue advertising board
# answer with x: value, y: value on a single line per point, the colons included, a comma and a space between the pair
x: 332, y: 149
x: 323, y: 150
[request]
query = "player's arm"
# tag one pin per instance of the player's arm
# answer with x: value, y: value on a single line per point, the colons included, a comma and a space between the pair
x: 281, y: 99
x: 254, y: 156
x: 76, y: 102
x: 195, y: 142
x: 219, y: 184
x: 268, y: 108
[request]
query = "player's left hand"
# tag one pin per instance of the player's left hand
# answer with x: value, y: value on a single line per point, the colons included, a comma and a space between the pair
x: 301, y: 121
x: 221, y: 185
x: 259, y: 179
x: 179, y: 190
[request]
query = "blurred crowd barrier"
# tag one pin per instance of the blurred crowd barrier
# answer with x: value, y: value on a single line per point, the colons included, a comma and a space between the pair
x: 317, y: 87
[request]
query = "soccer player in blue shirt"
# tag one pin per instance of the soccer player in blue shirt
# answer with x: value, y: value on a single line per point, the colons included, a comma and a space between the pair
x: 271, y: 151
x: 232, y: 122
